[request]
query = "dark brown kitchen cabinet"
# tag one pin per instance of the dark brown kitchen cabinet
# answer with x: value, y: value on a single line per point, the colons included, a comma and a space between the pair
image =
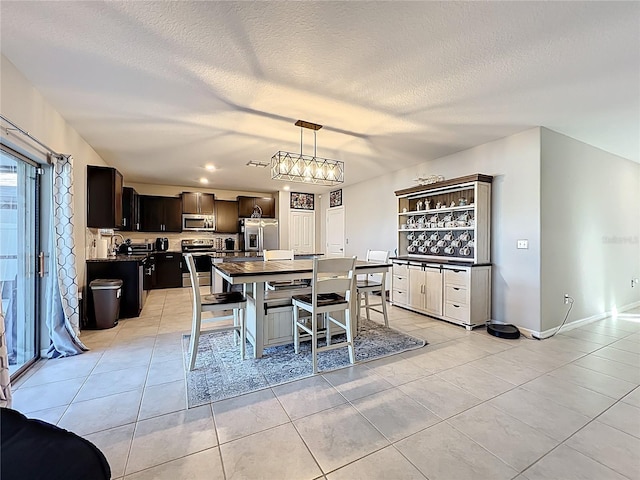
x: 246, y: 206
x: 104, y: 197
x: 198, y: 203
x: 134, y: 291
x: 168, y: 270
x: 160, y: 214
x: 130, y: 210
x: 227, y: 216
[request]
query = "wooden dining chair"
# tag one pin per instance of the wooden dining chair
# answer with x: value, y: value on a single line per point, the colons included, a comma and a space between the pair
x: 216, y: 302
x: 373, y: 283
x: 269, y: 255
x: 332, y: 288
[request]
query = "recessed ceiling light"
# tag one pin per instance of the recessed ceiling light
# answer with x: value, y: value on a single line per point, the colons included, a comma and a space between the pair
x: 286, y: 188
x: 210, y: 167
x: 204, y: 180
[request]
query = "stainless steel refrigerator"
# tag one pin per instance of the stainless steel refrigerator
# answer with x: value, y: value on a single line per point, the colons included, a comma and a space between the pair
x: 260, y: 234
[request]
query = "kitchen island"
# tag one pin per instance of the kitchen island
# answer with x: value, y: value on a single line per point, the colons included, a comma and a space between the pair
x: 264, y: 328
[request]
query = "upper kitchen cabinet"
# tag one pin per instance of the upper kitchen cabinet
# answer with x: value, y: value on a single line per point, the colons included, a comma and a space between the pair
x: 267, y: 205
x: 198, y: 203
x: 226, y: 216
x: 104, y: 197
x: 160, y: 214
x: 130, y: 210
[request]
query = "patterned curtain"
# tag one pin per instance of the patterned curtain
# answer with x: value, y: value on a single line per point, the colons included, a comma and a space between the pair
x: 5, y: 376
x: 63, y: 313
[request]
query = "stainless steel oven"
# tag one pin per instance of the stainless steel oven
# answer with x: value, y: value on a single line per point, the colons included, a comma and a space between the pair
x: 201, y: 250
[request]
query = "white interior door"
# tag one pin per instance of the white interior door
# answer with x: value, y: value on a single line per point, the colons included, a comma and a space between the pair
x: 335, y: 232
x: 302, y: 231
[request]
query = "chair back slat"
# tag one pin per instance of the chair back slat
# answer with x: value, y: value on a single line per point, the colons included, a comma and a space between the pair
x: 193, y: 276
x: 377, y: 256
x: 268, y: 255
x: 333, y: 275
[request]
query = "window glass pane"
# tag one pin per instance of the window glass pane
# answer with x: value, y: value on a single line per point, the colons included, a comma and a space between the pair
x: 18, y: 258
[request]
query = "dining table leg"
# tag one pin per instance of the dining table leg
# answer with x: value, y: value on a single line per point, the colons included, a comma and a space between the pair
x: 258, y: 295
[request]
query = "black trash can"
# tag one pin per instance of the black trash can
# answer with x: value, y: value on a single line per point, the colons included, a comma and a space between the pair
x: 106, y: 301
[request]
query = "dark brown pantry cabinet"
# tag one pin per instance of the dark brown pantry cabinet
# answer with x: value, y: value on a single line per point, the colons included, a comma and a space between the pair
x: 197, y: 202
x: 130, y: 210
x: 247, y: 204
x: 227, y: 216
x: 160, y: 214
x: 104, y: 197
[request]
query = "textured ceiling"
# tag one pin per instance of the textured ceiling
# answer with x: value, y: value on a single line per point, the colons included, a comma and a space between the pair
x: 160, y: 89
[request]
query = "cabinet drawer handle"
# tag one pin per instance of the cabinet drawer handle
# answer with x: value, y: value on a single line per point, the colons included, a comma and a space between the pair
x: 456, y: 288
x: 457, y: 271
x: 454, y: 305
x: 168, y: 256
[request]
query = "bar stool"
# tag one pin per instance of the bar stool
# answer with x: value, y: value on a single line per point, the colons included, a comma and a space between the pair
x: 374, y: 283
x: 331, y: 291
x: 216, y: 302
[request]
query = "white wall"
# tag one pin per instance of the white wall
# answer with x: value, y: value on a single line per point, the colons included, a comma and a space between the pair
x: 371, y: 217
x: 21, y: 103
x: 590, y: 229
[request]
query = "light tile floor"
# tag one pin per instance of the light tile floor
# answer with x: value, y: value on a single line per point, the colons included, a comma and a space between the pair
x: 467, y: 406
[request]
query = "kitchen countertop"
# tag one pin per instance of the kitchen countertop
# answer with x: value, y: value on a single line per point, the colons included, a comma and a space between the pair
x: 138, y: 257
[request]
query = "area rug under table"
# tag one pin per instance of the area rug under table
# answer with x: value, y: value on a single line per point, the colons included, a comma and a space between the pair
x: 220, y: 373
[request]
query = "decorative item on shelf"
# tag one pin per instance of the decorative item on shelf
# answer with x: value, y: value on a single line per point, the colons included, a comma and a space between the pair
x: 453, y: 204
x: 439, y: 205
x: 456, y: 243
x: 404, y: 210
x: 411, y: 236
x: 296, y: 167
x: 428, y: 180
x: 464, y: 237
x: 462, y: 202
x: 448, y: 236
x: 419, y: 205
x: 465, y: 251
x: 422, y: 220
x: 422, y: 249
x: 435, y: 236
x: 411, y: 249
x: 440, y: 224
x: 449, y: 250
x: 441, y: 243
x: 427, y: 204
x: 415, y: 242
x: 471, y: 243
x: 422, y: 236
x: 434, y: 219
x: 435, y: 249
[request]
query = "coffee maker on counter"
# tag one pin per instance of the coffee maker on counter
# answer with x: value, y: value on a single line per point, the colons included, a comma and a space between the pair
x: 162, y: 244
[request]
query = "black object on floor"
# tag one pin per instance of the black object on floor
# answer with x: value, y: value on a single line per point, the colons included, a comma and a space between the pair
x: 35, y: 450
x: 503, y: 331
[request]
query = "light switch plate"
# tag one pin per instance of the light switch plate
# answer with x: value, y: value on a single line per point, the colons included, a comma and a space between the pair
x: 523, y: 244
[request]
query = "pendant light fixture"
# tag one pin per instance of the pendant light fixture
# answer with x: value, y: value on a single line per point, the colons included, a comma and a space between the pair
x: 296, y: 167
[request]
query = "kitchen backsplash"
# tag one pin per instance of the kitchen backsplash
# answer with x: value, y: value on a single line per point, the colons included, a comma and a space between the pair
x: 93, y: 236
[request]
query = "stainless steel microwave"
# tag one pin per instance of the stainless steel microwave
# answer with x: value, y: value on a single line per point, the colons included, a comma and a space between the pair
x: 198, y: 223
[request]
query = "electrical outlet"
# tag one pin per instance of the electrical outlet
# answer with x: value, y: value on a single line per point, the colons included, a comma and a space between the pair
x: 634, y: 282
x: 566, y: 298
x: 523, y: 244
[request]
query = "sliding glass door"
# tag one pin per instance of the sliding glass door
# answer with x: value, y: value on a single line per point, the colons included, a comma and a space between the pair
x: 19, y: 248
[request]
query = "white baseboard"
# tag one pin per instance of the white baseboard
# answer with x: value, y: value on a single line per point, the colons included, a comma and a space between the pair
x: 581, y: 322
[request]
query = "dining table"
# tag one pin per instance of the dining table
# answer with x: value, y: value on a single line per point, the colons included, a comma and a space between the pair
x: 254, y: 275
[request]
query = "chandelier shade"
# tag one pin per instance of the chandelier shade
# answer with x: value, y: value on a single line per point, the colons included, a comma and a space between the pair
x: 296, y: 167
